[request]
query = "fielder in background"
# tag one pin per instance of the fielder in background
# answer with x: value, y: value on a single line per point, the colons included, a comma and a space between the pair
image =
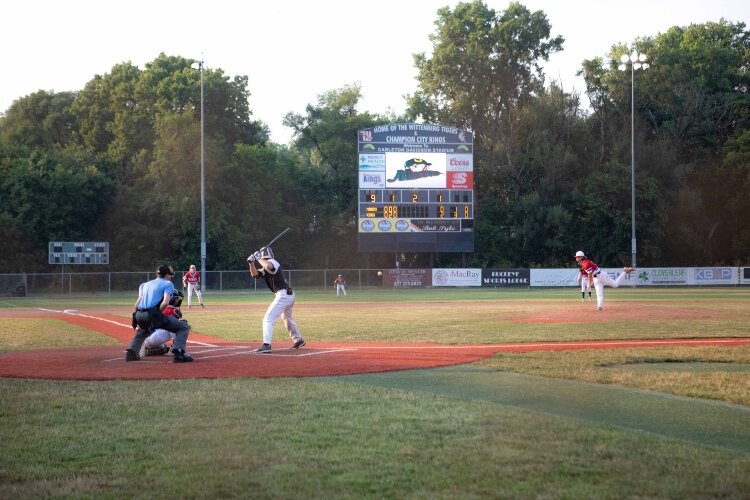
x: 583, y: 280
x: 192, y: 280
x: 340, y: 284
x: 262, y: 265
x: 156, y: 343
x: 599, y: 278
x: 153, y: 297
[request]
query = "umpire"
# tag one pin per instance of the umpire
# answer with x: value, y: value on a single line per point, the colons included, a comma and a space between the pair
x: 153, y: 297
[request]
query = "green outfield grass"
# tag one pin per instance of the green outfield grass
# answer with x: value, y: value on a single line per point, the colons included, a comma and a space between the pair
x: 464, y: 432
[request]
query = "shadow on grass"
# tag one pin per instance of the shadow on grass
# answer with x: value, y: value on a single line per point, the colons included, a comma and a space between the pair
x: 702, y: 422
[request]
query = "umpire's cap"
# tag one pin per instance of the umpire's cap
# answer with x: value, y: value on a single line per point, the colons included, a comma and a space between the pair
x: 164, y: 270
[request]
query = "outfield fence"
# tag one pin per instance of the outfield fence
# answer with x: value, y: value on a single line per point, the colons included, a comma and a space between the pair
x: 44, y: 284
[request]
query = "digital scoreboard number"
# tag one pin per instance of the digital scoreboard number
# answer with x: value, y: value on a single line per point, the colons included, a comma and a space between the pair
x: 416, y: 189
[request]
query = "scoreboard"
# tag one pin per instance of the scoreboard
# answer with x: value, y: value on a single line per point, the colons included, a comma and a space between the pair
x: 416, y: 189
x: 78, y: 252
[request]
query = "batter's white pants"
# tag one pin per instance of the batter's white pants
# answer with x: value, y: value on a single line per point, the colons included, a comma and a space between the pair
x: 603, y: 279
x: 282, y: 306
x: 340, y: 287
x: 192, y: 287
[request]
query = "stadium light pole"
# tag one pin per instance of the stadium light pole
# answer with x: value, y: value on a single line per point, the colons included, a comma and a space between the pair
x: 635, y: 61
x: 203, y: 184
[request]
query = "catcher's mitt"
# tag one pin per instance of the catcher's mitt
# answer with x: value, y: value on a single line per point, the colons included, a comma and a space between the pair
x: 178, y: 313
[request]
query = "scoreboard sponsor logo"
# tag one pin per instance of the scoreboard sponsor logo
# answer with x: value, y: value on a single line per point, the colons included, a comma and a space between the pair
x: 402, y: 225
x: 460, y: 180
x: 371, y: 162
x: 367, y: 226
x: 371, y: 179
x: 384, y: 225
x: 459, y: 163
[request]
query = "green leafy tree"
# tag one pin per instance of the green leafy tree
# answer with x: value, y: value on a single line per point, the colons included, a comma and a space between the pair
x: 40, y: 120
x: 326, y: 139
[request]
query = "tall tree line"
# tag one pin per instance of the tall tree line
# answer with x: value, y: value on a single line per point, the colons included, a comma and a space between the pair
x: 119, y: 160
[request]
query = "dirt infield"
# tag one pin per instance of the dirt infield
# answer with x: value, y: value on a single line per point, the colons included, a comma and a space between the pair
x: 218, y: 358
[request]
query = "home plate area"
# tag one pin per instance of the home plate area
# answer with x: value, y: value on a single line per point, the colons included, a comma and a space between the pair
x: 235, y: 360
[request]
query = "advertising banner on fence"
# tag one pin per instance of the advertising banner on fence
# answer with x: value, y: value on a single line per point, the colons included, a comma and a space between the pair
x: 505, y: 277
x: 553, y: 277
x: 567, y: 277
x: 709, y: 276
x: 745, y: 275
x: 407, y: 278
x: 456, y: 277
x: 646, y: 276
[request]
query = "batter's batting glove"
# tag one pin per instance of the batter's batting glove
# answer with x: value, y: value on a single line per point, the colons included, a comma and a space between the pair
x: 251, y: 259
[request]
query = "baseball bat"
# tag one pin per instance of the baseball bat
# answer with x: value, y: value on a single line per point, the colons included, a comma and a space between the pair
x: 282, y: 233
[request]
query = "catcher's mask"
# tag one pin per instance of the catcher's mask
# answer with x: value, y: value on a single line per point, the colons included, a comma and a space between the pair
x: 176, y: 300
x: 266, y: 253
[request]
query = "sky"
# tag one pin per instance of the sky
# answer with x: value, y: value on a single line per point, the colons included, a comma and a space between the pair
x: 295, y: 50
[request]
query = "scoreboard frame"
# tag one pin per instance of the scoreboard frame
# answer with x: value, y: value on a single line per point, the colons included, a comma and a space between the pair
x: 415, y: 191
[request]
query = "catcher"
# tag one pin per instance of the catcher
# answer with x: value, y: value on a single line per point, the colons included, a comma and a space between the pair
x: 192, y: 281
x: 156, y: 343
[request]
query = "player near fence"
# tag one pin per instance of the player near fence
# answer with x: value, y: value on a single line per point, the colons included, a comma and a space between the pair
x: 583, y: 280
x: 599, y: 278
x: 153, y: 297
x: 262, y: 265
x: 340, y: 284
x: 192, y: 281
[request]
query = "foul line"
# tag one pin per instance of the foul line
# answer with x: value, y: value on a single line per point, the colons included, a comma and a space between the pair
x: 116, y: 323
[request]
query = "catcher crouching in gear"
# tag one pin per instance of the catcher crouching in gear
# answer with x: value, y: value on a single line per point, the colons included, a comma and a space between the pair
x: 599, y: 278
x: 262, y: 265
x: 153, y: 297
x: 156, y: 343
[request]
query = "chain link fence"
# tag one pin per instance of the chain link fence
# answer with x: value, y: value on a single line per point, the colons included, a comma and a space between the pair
x: 45, y: 284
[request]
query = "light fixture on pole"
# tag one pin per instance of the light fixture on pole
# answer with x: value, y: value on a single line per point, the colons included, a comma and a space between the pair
x: 203, y: 183
x: 635, y: 61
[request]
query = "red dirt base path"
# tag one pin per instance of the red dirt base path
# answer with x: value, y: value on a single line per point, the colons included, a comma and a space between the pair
x: 217, y: 358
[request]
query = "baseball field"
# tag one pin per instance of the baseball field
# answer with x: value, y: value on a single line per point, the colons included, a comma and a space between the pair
x: 397, y: 394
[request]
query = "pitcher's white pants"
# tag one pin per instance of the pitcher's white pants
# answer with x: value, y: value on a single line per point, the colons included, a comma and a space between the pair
x: 194, y: 287
x: 603, y: 279
x: 281, y: 306
x: 340, y: 287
